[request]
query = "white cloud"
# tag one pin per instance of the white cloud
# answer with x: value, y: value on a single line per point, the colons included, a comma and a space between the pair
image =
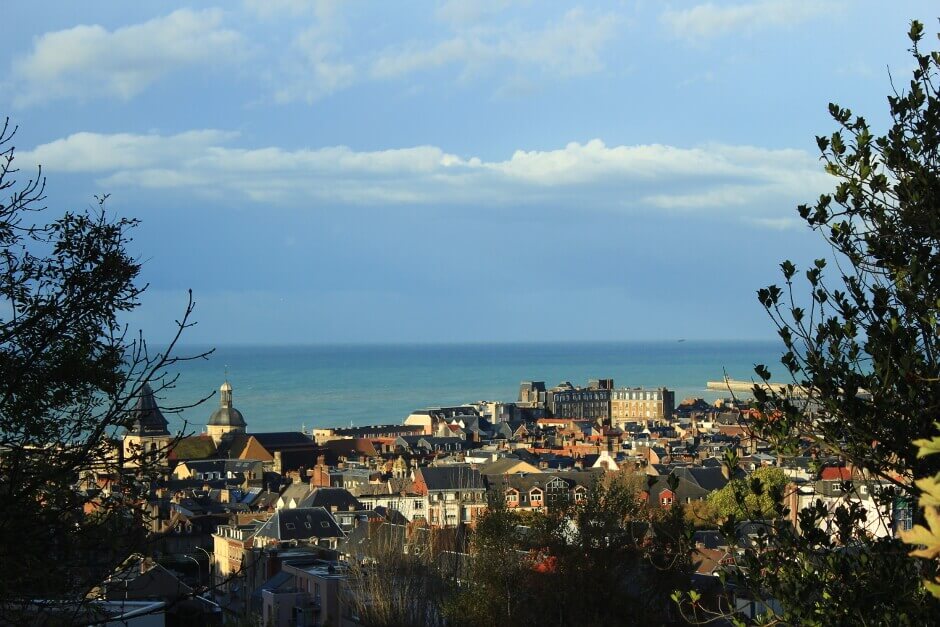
x: 569, y: 47
x: 315, y: 69
x: 753, y: 183
x: 94, y: 152
x: 88, y: 61
x: 709, y: 20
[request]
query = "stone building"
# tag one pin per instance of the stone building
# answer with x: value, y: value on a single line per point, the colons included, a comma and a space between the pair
x: 641, y: 405
x: 590, y: 403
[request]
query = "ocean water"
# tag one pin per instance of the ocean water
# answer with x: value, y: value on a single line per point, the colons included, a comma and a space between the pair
x: 284, y: 388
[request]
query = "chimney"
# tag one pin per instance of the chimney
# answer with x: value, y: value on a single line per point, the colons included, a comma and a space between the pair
x: 273, y: 563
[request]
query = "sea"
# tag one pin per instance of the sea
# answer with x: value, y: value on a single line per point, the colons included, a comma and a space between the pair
x: 286, y: 388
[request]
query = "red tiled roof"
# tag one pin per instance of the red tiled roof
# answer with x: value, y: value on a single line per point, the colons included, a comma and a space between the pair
x: 836, y: 473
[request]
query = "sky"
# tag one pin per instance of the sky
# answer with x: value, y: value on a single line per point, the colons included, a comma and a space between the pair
x: 456, y: 171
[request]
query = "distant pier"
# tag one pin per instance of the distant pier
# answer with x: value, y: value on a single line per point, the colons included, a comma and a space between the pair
x: 735, y: 385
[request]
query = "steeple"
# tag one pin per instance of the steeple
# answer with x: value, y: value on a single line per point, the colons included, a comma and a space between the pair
x: 146, y: 417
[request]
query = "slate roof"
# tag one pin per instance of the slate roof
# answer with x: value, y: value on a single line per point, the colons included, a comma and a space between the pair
x: 375, y: 540
x: 226, y: 417
x: 301, y: 523
x: 340, y: 498
x: 709, y: 479
x: 503, y: 465
x: 146, y: 417
x: 297, y: 491
x: 451, y: 478
x: 694, y: 482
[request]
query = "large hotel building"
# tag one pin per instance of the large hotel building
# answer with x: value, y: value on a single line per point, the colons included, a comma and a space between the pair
x: 641, y: 405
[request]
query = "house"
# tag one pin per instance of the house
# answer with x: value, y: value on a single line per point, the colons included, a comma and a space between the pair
x: 332, y: 499
x: 510, y: 430
x: 280, y: 451
x: 250, y: 470
x: 314, y: 594
x: 395, y: 494
x: 140, y: 578
x: 301, y: 525
x: 292, y: 496
x: 456, y: 494
x: 508, y: 466
x: 233, y: 560
x: 885, y: 516
x: 693, y: 483
x: 545, y: 491
x: 420, y: 445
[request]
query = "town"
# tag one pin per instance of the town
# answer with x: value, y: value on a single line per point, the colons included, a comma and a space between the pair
x: 276, y: 527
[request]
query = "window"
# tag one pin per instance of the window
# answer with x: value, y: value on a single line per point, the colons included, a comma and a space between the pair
x: 419, y: 504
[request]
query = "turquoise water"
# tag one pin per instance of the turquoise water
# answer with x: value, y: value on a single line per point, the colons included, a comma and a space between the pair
x: 283, y: 388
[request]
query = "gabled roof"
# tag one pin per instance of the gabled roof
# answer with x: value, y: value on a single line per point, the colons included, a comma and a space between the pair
x: 245, y: 446
x: 129, y: 582
x: 340, y: 498
x: 451, y: 478
x: 297, y: 491
x: 711, y: 478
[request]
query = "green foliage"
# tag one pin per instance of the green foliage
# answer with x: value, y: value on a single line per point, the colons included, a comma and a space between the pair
x: 864, y: 346
x: 629, y: 557
x: 68, y: 375
x: 756, y: 497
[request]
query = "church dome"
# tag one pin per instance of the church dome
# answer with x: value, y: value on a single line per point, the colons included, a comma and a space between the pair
x: 226, y: 415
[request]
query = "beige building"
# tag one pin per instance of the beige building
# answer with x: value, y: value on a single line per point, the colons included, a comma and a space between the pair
x: 641, y: 405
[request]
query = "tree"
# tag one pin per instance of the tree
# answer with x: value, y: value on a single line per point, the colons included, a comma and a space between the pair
x: 607, y: 560
x: 395, y: 579
x: 862, y: 349
x: 755, y: 497
x: 68, y: 376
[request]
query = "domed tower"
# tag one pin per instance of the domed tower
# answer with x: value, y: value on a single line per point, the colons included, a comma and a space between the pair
x: 148, y: 434
x: 226, y: 419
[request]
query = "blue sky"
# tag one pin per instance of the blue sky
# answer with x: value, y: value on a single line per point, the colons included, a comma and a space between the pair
x: 480, y: 170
